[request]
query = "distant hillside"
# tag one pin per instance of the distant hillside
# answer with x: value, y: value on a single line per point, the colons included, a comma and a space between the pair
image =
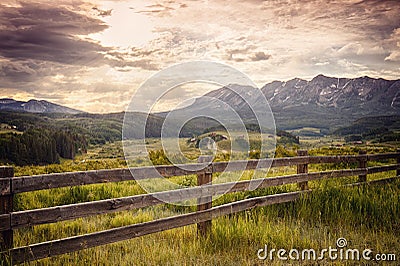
x: 40, y: 146
x: 378, y: 128
x: 371, y: 123
x: 97, y: 128
x: 35, y: 106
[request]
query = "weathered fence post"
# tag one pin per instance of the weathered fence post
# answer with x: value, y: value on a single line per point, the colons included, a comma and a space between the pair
x: 302, y: 168
x: 398, y: 162
x: 204, y: 203
x: 6, y: 206
x: 362, y: 163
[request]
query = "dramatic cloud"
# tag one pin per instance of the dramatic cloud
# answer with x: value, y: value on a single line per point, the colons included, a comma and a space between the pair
x: 46, y: 33
x: 103, y: 50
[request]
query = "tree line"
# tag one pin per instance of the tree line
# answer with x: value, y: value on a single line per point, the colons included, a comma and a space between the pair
x: 40, y: 146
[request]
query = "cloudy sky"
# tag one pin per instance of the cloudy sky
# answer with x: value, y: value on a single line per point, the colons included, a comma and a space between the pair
x: 93, y: 55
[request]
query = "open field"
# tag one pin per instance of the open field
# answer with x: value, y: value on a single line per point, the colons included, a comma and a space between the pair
x: 313, y: 222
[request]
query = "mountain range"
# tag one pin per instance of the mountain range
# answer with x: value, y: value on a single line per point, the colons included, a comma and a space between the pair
x: 35, y: 106
x: 324, y: 103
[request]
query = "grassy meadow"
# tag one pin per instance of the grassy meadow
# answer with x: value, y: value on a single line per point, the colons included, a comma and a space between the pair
x: 367, y: 216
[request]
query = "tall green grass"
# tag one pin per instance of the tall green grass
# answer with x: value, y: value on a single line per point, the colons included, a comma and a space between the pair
x: 367, y: 216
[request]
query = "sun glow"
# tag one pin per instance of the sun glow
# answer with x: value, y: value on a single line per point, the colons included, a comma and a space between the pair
x: 127, y: 28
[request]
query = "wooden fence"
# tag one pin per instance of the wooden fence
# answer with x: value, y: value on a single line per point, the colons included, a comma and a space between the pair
x: 10, y: 219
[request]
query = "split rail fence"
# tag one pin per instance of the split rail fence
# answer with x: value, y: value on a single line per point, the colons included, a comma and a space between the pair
x: 10, y: 186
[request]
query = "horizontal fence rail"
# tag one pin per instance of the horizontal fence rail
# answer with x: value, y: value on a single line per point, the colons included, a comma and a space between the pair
x: 9, y: 186
x: 57, y: 247
x: 79, y: 210
x: 58, y: 180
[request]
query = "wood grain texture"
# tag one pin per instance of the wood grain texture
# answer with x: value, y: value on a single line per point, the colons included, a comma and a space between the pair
x: 362, y: 164
x: 302, y: 169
